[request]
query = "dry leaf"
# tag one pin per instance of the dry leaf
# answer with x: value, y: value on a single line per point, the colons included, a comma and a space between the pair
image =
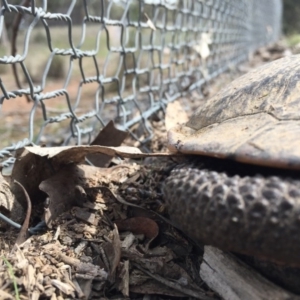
x: 61, y: 189
x: 77, y: 154
x: 30, y: 170
x: 139, y: 225
x: 67, y: 188
x: 108, y: 136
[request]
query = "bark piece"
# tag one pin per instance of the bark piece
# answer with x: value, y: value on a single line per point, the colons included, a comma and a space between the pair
x: 234, y: 280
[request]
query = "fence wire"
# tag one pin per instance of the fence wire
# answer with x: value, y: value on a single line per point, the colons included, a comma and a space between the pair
x: 69, y: 67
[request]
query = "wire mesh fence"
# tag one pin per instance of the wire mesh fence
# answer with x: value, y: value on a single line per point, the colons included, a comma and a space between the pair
x: 69, y: 67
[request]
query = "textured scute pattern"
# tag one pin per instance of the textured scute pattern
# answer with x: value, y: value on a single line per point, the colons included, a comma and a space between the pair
x: 272, y: 88
x: 251, y: 215
x: 255, y: 119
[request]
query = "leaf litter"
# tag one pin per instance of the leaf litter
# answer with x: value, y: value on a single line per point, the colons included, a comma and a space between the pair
x: 107, y: 232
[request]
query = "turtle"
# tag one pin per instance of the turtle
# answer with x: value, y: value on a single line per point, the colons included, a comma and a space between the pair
x: 240, y: 190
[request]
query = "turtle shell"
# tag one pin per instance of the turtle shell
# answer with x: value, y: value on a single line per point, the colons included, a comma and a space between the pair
x: 255, y: 119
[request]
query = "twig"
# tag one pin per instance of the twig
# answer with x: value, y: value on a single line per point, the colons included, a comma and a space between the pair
x: 23, y: 234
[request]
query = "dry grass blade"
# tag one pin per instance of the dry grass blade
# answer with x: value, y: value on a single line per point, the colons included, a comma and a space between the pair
x: 13, y: 278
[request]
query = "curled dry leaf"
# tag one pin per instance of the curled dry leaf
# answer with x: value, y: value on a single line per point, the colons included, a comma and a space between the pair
x: 67, y: 187
x: 61, y: 191
x: 139, y: 225
x: 77, y: 154
x: 108, y: 136
x: 30, y: 170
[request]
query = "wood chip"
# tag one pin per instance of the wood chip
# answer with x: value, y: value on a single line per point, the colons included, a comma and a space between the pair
x: 234, y: 280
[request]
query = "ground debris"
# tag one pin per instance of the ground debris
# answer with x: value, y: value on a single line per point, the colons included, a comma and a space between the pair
x: 83, y: 255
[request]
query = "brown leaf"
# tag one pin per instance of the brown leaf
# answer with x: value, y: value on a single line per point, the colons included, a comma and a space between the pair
x: 139, y: 225
x: 61, y: 191
x: 67, y: 188
x: 108, y: 136
x: 30, y: 170
x: 76, y: 154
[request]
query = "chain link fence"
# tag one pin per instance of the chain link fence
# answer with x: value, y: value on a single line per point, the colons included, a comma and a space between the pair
x: 69, y: 67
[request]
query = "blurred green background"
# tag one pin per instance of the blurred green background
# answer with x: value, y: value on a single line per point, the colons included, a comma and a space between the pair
x: 291, y: 17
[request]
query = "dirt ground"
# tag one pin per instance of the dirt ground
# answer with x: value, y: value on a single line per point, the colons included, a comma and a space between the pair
x: 115, y: 241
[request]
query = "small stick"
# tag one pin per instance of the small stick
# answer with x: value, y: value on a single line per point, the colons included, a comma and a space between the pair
x: 23, y: 234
